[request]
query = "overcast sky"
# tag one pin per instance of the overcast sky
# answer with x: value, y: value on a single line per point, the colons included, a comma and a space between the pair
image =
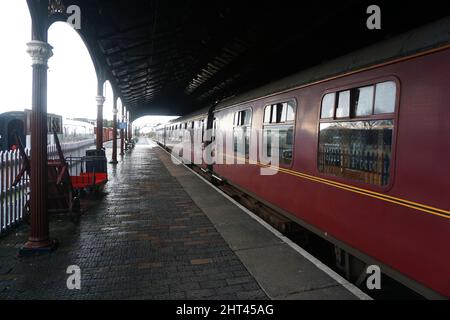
x: 72, y: 82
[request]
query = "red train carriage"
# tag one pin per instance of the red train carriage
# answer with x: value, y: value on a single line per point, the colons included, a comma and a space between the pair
x: 183, y: 132
x: 363, y: 154
x: 107, y: 134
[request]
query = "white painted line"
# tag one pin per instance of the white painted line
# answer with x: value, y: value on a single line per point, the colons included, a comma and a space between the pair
x: 342, y: 281
x: 217, y: 178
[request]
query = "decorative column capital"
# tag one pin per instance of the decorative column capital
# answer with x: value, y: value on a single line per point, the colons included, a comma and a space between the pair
x: 55, y: 6
x: 100, y: 100
x: 40, y: 52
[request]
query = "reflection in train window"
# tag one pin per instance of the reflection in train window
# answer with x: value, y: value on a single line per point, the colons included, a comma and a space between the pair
x: 352, y: 148
x: 385, y: 94
x: 242, y: 118
x: 363, y: 101
x: 241, y: 132
x: 202, y: 126
x: 343, y: 106
x: 279, y: 124
x: 358, y: 150
x: 284, y: 136
x: 328, y: 106
x: 214, y: 129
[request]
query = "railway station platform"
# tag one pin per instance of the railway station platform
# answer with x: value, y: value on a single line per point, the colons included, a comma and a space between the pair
x: 162, y: 232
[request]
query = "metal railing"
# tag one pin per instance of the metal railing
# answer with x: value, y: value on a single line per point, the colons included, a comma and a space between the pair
x: 369, y: 166
x: 14, y: 199
x: 75, y: 149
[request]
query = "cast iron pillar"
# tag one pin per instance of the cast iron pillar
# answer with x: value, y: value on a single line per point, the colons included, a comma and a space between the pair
x: 130, y: 127
x: 100, y: 101
x: 122, y: 137
x: 114, y: 142
x: 38, y: 241
x: 125, y: 131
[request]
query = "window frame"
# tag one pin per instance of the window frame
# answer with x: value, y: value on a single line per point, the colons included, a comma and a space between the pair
x: 287, y: 123
x: 202, y: 122
x: 249, y: 126
x: 384, y: 116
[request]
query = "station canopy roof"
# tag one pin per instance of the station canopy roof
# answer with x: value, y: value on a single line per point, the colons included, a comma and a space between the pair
x: 171, y: 57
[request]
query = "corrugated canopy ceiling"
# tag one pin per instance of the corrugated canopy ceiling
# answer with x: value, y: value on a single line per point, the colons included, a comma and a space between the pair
x: 173, y: 57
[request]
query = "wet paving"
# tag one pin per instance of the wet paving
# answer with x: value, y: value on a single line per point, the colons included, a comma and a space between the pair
x: 144, y: 239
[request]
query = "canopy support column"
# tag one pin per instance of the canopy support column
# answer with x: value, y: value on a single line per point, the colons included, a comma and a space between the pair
x: 122, y: 137
x: 130, y: 128
x: 126, y: 125
x: 114, y: 142
x: 40, y: 52
x: 100, y: 101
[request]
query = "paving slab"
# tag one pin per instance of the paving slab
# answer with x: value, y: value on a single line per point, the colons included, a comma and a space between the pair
x: 280, y: 270
x: 161, y: 232
x: 145, y: 239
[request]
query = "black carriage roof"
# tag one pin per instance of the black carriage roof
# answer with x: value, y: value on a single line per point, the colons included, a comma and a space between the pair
x: 17, y: 114
x: 194, y: 115
x: 12, y: 114
x: 431, y: 36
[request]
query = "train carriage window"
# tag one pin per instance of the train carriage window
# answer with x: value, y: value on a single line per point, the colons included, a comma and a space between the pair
x: 284, y: 135
x: 279, y: 113
x: 202, y: 126
x: 358, y: 149
x: 273, y: 117
x: 385, y: 94
x: 363, y: 101
x: 247, y: 117
x: 241, y: 132
x: 290, y: 115
x: 328, y: 106
x: 279, y: 124
x: 236, y: 118
x: 283, y: 113
x: 343, y: 107
x: 214, y: 129
x: 267, y: 114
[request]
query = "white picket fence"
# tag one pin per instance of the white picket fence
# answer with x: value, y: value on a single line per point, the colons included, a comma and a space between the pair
x: 13, y: 199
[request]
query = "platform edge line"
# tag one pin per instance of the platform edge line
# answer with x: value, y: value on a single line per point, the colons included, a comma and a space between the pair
x: 345, y: 283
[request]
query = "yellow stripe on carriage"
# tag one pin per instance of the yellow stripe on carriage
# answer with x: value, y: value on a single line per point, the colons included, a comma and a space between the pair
x: 403, y: 202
